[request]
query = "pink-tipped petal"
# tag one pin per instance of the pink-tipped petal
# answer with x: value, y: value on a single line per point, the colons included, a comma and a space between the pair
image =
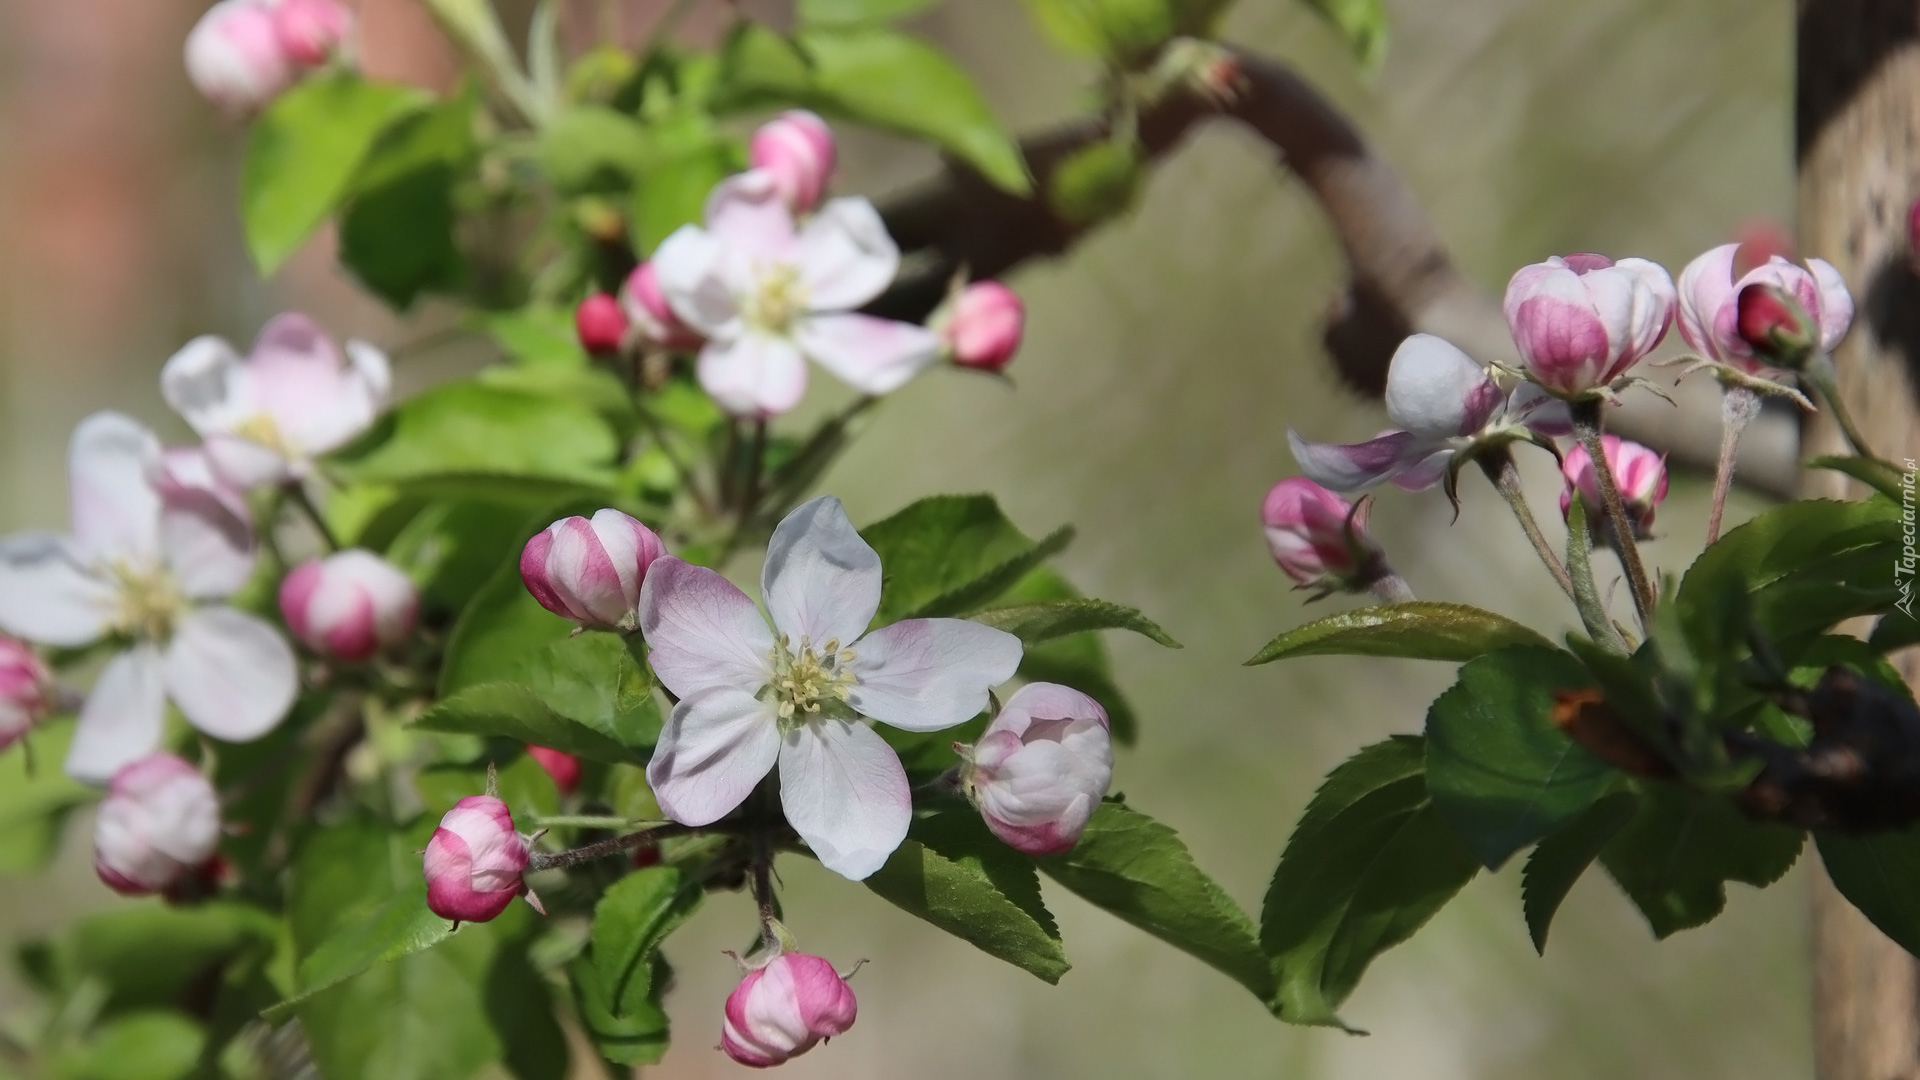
x: 1435, y: 391
x: 116, y: 508
x: 702, y: 632
x: 206, y: 382
x: 1356, y: 466
x: 930, y: 674
x: 688, y: 266
x: 845, y: 793
x: 746, y: 214
x: 1836, y: 303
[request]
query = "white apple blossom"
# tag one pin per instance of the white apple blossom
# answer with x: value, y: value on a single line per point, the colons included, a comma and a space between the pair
x: 768, y: 293
x: 801, y: 693
x: 148, y: 562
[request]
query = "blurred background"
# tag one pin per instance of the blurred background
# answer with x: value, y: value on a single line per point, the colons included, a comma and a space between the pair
x: 1166, y: 359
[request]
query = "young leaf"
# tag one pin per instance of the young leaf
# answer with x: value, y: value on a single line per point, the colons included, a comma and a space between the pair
x: 950, y: 554
x: 1674, y: 858
x: 303, y: 153
x: 593, y: 148
x: 601, y: 680
x: 1500, y: 773
x: 513, y: 711
x: 1560, y: 859
x: 1878, y: 874
x: 894, y: 81
x: 1036, y: 623
x: 469, y: 427
x: 399, y: 927
x: 1422, y: 630
x: 1138, y: 870
x: 1368, y: 864
x: 633, y: 1029
x: 1362, y: 22
x: 632, y: 918
x: 957, y: 876
x: 503, y: 624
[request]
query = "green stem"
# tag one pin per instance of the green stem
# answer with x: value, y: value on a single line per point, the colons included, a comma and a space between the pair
x: 587, y: 821
x: 1586, y: 595
x: 1499, y: 467
x: 559, y: 859
x: 1586, y: 427
x: 1820, y: 375
x: 1738, y: 407
x: 297, y: 495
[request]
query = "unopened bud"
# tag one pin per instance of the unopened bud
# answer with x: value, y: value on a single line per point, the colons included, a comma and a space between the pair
x: 235, y: 57
x: 601, y: 324
x: 1041, y: 768
x: 312, y: 32
x: 157, y: 827
x: 564, y: 768
x: 1319, y: 539
x: 796, y: 149
x: 983, y: 325
x: 475, y: 861
x: 349, y: 605
x: 1639, y: 474
x: 784, y: 1008
x: 590, y: 571
x: 26, y: 690
x: 1776, y: 327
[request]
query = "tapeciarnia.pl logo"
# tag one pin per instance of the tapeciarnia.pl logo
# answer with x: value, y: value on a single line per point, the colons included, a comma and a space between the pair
x: 1903, y: 568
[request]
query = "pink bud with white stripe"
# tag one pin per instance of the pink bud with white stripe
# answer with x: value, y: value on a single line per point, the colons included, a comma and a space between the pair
x: 157, y: 827
x: 1639, y: 473
x: 26, y: 690
x: 590, y: 570
x: 1041, y: 769
x: 1581, y: 321
x: 349, y: 605
x: 475, y: 861
x: 796, y: 149
x: 784, y: 1008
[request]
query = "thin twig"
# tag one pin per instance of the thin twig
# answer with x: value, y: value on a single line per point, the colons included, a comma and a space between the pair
x: 555, y: 860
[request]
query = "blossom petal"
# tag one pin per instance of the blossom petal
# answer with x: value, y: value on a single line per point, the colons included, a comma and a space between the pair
x: 116, y: 509
x: 1706, y: 301
x: 1436, y: 391
x: 231, y: 673
x: 754, y: 375
x: 123, y: 718
x: 928, y: 674
x: 246, y: 464
x: 48, y: 595
x: 1354, y: 466
x: 687, y: 268
x: 208, y: 548
x: 1534, y: 407
x: 206, y: 382
x: 872, y: 355
x: 702, y: 633
x: 1836, y: 303
x: 820, y: 580
x: 1424, y: 473
x: 845, y: 793
x: 846, y: 257
x: 716, y: 746
x: 746, y: 214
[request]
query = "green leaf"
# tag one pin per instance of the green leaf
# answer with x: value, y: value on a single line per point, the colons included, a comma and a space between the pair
x: 451, y: 549
x: 759, y: 67
x: 469, y: 427
x: 632, y: 1031
x: 1096, y: 182
x: 593, y: 148
x: 1077, y: 660
x: 1499, y: 771
x: 399, y: 927
x: 35, y: 801
x: 950, y: 554
x: 1362, y: 22
x: 598, y: 679
x: 1895, y: 630
x: 1048, y: 620
x: 857, y: 12
x: 303, y: 153
x: 1878, y: 874
x: 149, y: 1045
x: 1422, y: 630
x: 535, y: 336
x: 397, y: 233
x: 632, y: 918
x: 899, y: 83
x: 1138, y: 870
x: 148, y: 956
x: 1117, y: 29
x: 1674, y: 858
x: 672, y: 189
x: 1560, y: 859
x: 1368, y: 864
x: 503, y: 624
x: 525, y: 787
x: 513, y: 711
x: 1882, y: 476
x: 954, y: 874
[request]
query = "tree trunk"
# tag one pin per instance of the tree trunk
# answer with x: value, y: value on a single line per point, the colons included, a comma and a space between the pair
x: 1857, y: 141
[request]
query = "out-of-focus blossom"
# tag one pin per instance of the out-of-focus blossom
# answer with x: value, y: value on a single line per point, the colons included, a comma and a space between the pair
x: 768, y: 294
x: 647, y: 308
x: 312, y: 32
x: 1581, y: 321
x: 265, y: 418
x: 800, y: 694
x: 475, y: 862
x: 564, y: 768
x: 157, y: 827
x: 601, y: 324
x: 1318, y: 538
x: 235, y: 57
x: 1041, y: 768
x: 796, y: 150
x: 784, y: 1008
x: 983, y: 325
x: 591, y: 570
x: 153, y: 570
x: 1710, y: 304
x: 349, y: 605
x: 26, y: 690
x: 1639, y: 474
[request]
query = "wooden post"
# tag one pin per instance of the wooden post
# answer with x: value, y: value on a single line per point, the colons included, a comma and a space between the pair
x: 1857, y: 141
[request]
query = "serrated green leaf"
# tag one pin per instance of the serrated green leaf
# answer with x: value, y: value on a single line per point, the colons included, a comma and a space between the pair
x: 302, y: 155
x: 1051, y: 619
x: 1559, y: 860
x: 954, y: 874
x: 1077, y: 660
x: 400, y: 927
x: 1138, y: 870
x: 512, y: 711
x: 1674, y: 858
x: 951, y: 554
x: 1500, y: 773
x: 1422, y: 630
x: 503, y: 624
x: 633, y: 917
x: 1362, y: 22
x: 1788, y: 542
x: 1878, y: 874
x: 450, y: 549
x: 470, y: 427
x: 598, y: 679
x: 525, y: 787
x: 900, y: 83
x: 633, y: 1031
x: 1368, y: 864
x: 1895, y: 630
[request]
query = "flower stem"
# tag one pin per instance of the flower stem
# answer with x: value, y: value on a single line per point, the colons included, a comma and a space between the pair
x: 1586, y: 596
x: 297, y: 494
x: 1586, y: 427
x: 1738, y: 407
x: 1820, y: 375
x: 559, y: 859
x: 756, y: 464
x: 1505, y: 475
x: 763, y: 818
x: 585, y: 821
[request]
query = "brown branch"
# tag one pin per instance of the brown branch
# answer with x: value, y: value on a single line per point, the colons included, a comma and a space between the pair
x: 1401, y: 279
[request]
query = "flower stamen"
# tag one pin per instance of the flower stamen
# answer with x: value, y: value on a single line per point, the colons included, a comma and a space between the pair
x: 149, y: 601
x: 808, y: 681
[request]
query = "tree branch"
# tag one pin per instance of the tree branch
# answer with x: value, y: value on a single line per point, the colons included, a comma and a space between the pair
x: 1401, y: 279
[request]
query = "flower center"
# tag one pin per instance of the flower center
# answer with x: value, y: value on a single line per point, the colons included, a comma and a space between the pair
x: 262, y: 429
x: 807, y: 680
x: 149, y: 601
x: 779, y: 299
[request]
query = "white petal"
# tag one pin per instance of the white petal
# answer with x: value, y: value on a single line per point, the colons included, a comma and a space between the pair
x: 821, y: 580
x: 687, y: 267
x: 1356, y: 466
x: 754, y: 375
x: 716, y: 746
x: 246, y: 464
x: 116, y: 509
x: 754, y: 225
x: 123, y: 718
x: 1045, y: 701
x: 702, y: 633
x: 372, y: 368
x: 846, y: 257
x: 48, y: 594
x: 928, y: 674
x: 1436, y: 391
x: 1836, y: 303
x: 206, y: 383
x: 231, y: 673
x: 872, y: 355
x: 209, y: 550
x: 845, y: 793
x: 188, y: 472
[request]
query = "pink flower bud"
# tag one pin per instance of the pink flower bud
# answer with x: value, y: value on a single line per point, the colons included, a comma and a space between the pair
x: 646, y: 305
x: 1307, y: 532
x: 1041, y: 768
x: 1583, y: 320
x: 235, y: 58
x: 983, y: 328
x: 349, y: 605
x: 783, y: 1009
x: 1710, y: 304
x: 26, y: 690
x: 157, y: 827
x: 796, y: 149
x: 564, y: 768
x: 312, y: 32
x: 601, y: 324
x: 1775, y: 326
x: 591, y: 571
x: 475, y: 861
x: 1638, y: 472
